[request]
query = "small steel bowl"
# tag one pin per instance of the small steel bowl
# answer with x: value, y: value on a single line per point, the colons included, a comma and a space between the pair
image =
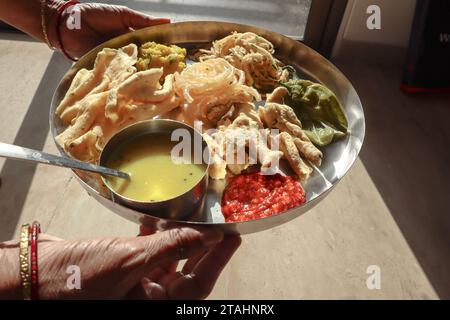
x: 179, y: 207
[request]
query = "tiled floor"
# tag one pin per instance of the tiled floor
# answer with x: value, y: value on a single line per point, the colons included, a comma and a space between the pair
x: 407, y: 157
x: 391, y: 210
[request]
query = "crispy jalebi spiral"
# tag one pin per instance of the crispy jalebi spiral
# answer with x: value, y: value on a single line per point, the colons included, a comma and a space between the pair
x: 211, y: 87
x: 250, y: 53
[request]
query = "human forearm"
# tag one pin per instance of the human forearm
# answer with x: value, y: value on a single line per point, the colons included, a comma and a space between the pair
x: 9, y: 271
x: 95, y: 23
x: 25, y: 15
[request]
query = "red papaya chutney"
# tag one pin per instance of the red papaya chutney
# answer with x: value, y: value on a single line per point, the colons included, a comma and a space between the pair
x: 252, y: 196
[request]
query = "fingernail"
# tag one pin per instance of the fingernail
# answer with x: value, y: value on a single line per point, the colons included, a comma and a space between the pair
x: 212, y: 237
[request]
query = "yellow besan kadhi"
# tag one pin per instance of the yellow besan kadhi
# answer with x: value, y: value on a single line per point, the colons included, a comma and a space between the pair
x: 154, y: 176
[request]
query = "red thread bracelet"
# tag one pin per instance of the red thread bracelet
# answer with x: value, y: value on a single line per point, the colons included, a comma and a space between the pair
x: 58, y: 25
x: 35, y: 230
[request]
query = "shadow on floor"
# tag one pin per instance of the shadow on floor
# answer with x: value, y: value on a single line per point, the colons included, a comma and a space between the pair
x: 407, y: 155
x: 17, y: 176
x: 15, y: 35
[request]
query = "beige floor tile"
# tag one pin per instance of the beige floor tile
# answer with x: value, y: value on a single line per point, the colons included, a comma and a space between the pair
x: 80, y: 216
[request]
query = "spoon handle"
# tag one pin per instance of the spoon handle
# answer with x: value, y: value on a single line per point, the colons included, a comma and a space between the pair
x: 20, y: 153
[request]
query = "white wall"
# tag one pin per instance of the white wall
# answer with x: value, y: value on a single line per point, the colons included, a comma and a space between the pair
x: 396, y: 20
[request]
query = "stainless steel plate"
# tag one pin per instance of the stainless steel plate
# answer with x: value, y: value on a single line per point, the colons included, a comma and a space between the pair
x: 338, y: 157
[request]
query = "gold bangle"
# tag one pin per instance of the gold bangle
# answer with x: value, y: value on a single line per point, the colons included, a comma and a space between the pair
x: 24, y: 261
x: 44, y: 24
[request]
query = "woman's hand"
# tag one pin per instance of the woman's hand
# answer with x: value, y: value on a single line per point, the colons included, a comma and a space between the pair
x: 195, y: 280
x: 136, y: 268
x: 101, y: 22
x: 98, y: 22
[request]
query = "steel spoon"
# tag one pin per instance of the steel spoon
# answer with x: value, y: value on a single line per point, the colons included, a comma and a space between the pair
x: 20, y: 153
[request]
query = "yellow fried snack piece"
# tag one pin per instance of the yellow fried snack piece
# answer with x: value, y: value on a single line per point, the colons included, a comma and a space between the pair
x: 111, y: 96
x: 85, y: 138
x: 291, y: 153
x: 210, y: 88
x: 250, y: 53
x: 155, y: 55
x: 283, y: 117
x: 143, y: 87
x: 111, y: 67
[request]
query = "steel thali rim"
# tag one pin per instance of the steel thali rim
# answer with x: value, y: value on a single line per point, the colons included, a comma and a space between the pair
x: 304, y: 58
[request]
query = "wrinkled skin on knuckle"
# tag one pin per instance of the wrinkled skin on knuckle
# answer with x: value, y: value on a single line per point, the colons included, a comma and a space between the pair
x: 176, y: 238
x: 171, y: 244
x: 181, y: 239
x: 155, y: 249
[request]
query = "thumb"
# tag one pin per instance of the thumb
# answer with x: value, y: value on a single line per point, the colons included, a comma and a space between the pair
x: 138, y: 20
x: 159, y: 249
